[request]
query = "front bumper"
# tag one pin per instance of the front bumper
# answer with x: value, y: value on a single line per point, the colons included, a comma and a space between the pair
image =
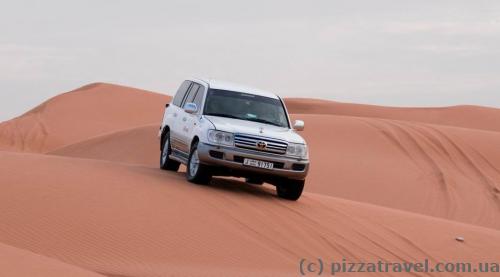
x: 232, y: 158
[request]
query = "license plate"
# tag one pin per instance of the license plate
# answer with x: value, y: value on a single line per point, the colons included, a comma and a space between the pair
x: 257, y: 163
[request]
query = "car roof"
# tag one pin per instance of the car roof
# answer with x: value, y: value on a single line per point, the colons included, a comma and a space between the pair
x: 224, y: 85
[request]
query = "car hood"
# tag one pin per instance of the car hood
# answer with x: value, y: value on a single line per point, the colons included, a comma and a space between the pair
x: 254, y: 128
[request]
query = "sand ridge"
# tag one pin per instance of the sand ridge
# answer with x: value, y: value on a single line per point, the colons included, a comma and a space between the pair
x: 80, y: 114
x: 465, y: 116
x: 23, y: 263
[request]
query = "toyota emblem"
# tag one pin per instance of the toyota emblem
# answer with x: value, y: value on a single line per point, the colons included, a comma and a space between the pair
x: 261, y: 145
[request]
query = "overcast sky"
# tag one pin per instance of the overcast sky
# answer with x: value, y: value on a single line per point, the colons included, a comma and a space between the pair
x: 404, y: 53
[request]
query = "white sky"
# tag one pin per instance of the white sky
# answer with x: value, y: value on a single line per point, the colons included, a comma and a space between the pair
x: 405, y: 53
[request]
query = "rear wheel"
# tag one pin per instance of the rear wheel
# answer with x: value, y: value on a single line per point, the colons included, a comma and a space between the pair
x: 165, y: 162
x: 290, y: 189
x: 197, y: 172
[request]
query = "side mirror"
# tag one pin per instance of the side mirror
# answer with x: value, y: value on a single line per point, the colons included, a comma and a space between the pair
x: 190, y: 108
x: 298, y: 125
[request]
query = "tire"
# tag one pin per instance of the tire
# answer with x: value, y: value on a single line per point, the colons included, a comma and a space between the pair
x: 196, y: 172
x: 290, y: 189
x: 165, y: 162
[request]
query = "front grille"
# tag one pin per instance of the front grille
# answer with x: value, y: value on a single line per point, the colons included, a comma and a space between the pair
x: 252, y: 142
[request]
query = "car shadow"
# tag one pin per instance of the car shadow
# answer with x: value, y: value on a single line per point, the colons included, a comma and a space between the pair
x: 226, y: 184
x: 234, y: 185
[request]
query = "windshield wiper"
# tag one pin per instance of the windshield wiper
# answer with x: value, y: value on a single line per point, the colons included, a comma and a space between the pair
x: 224, y: 115
x: 249, y: 119
x: 264, y: 121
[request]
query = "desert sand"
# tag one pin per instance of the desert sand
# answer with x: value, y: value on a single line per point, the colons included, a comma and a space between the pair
x: 99, y: 108
x: 82, y: 195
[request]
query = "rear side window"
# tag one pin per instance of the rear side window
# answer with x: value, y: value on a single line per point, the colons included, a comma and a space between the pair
x: 181, y: 92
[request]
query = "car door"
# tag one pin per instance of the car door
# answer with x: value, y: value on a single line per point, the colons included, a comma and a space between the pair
x: 176, y: 114
x: 187, y: 121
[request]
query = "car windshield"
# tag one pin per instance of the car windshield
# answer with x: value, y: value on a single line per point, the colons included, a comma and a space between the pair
x: 246, y: 106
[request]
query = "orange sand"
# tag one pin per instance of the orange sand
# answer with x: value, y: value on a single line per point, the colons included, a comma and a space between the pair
x: 82, y: 195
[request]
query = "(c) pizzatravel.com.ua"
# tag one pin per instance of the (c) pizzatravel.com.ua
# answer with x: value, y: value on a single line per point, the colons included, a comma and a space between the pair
x: 320, y: 266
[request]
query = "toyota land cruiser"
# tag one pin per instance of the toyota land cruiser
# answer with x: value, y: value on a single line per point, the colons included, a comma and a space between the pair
x: 218, y: 128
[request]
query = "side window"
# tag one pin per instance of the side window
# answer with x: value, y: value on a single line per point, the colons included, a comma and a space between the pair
x: 192, y: 93
x: 199, y: 97
x: 181, y: 92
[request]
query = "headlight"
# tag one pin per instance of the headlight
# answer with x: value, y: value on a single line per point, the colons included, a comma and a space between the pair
x: 219, y: 137
x: 297, y: 150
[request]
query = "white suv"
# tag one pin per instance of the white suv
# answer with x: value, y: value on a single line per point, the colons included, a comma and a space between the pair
x: 217, y: 128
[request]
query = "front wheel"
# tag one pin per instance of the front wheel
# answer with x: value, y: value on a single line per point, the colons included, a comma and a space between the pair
x: 290, y: 189
x: 197, y: 172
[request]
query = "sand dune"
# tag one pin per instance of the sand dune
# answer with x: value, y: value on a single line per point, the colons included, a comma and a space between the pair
x: 80, y: 114
x: 474, y: 117
x: 429, y: 169
x: 397, y: 184
x: 22, y: 263
x: 122, y: 220
x: 137, y: 145
x: 101, y: 108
